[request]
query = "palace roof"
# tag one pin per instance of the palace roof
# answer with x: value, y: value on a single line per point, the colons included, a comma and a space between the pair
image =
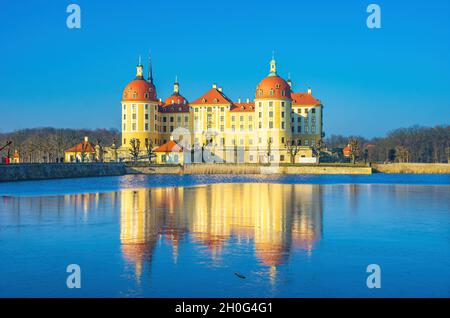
x: 304, y: 99
x: 213, y: 96
x: 243, y: 107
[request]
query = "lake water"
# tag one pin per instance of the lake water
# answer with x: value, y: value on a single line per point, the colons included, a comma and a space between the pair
x: 198, y: 236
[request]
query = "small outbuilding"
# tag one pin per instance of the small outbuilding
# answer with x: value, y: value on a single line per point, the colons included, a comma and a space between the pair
x: 82, y: 152
x: 169, y: 153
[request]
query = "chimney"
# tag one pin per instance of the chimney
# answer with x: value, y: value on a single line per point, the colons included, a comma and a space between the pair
x: 214, y: 85
x: 239, y: 100
x: 86, y: 139
x: 219, y: 89
x: 248, y: 100
x: 309, y: 91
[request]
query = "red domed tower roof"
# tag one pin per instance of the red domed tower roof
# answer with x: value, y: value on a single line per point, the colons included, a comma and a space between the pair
x: 273, y: 86
x: 140, y: 90
x: 176, y: 98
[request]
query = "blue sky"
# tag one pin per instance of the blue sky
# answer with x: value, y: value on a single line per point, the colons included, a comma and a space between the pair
x: 370, y: 81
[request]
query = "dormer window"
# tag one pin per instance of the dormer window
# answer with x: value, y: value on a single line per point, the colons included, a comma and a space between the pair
x: 277, y: 86
x: 271, y: 92
x: 203, y: 100
x: 260, y: 92
x: 251, y: 107
x: 283, y: 92
x: 172, y: 101
x: 242, y: 107
x: 146, y: 95
x: 134, y: 95
x: 216, y: 100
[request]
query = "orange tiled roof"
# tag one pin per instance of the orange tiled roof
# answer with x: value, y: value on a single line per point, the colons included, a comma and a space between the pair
x: 304, y: 99
x: 86, y: 145
x: 279, y: 87
x: 243, y: 107
x: 213, y: 96
x: 170, y: 146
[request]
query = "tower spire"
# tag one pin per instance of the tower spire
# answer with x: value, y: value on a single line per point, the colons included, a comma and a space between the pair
x: 273, y: 65
x: 139, y: 69
x: 176, y: 86
x: 150, y: 71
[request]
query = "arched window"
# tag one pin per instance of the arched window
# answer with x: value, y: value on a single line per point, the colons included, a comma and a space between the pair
x: 271, y: 92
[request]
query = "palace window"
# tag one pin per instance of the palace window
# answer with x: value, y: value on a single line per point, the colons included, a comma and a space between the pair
x: 146, y: 116
x: 222, y: 128
x: 282, y: 114
x: 124, y: 127
x: 186, y: 118
x: 242, y: 127
x: 282, y: 103
x: 250, y: 118
x: 241, y: 118
x: 124, y: 107
x: 146, y: 126
x: 282, y: 125
x: 124, y: 116
x: 134, y: 127
x: 270, y: 124
x: 299, y: 129
x: 260, y: 114
x: 233, y: 128
x: 233, y: 118
x: 171, y: 119
x: 270, y: 114
x: 133, y: 116
x: 124, y: 141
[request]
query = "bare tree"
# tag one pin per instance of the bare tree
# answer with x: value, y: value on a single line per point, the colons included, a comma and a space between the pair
x: 135, y: 144
x: 292, y: 147
x: 401, y: 154
x: 149, y: 149
x: 317, y: 149
x: 354, y: 149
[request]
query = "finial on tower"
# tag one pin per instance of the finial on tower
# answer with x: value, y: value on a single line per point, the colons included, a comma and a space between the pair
x: 289, y: 81
x: 139, y: 69
x: 273, y: 65
x: 176, y: 86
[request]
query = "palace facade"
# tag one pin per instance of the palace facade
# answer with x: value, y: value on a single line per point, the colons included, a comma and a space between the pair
x: 257, y: 131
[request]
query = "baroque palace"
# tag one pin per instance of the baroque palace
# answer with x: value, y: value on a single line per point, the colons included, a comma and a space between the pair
x: 259, y: 131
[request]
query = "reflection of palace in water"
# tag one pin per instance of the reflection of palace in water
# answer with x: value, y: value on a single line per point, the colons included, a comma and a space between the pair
x: 275, y: 218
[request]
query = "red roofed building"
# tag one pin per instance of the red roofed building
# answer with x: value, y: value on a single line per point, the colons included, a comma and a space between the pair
x: 82, y: 152
x: 276, y: 117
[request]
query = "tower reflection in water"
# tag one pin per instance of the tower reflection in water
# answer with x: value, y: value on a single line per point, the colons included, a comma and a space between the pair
x: 273, y: 218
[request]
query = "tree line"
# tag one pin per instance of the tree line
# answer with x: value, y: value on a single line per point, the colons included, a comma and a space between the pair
x: 39, y: 145
x: 413, y: 144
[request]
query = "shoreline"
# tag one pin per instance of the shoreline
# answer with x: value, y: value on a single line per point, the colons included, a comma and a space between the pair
x: 29, y: 172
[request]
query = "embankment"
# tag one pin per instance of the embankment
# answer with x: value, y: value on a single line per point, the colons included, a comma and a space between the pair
x: 22, y: 172
x: 247, y: 169
x: 413, y: 168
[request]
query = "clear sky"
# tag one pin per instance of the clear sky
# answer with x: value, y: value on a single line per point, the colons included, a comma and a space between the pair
x: 370, y: 81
